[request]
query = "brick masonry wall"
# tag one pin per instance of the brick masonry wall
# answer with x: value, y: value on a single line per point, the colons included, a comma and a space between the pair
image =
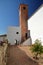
x: 23, y: 20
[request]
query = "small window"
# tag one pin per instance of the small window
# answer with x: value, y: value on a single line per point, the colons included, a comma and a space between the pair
x: 24, y: 8
x: 17, y: 32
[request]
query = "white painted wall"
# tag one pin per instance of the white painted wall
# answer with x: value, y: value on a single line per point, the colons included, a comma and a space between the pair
x: 27, y: 42
x: 1, y: 38
x: 12, y: 36
x: 35, y: 24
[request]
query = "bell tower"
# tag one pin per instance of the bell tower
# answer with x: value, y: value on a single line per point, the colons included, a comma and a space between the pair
x: 23, y: 17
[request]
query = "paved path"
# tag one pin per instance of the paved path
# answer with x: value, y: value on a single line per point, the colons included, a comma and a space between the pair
x: 18, y: 56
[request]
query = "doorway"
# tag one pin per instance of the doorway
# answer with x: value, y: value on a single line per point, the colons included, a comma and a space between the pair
x: 26, y: 35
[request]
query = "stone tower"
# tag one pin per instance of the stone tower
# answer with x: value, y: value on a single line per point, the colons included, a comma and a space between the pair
x: 23, y: 17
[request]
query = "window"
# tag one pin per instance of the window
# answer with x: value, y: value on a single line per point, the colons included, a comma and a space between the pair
x: 17, y: 32
x: 24, y: 8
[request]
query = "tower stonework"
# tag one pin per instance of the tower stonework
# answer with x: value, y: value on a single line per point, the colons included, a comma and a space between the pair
x: 23, y: 16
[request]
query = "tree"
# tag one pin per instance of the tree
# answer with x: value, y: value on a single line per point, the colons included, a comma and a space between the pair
x: 37, y: 48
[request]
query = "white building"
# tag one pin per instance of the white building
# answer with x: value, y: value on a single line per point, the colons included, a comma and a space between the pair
x: 14, y: 33
x: 35, y: 24
x: 3, y: 37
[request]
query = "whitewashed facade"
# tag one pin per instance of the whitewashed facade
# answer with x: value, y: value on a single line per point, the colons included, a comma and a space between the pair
x: 14, y: 35
x: 35, y: 24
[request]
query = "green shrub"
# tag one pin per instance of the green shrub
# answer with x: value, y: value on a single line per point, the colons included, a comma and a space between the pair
x: 37, y: 48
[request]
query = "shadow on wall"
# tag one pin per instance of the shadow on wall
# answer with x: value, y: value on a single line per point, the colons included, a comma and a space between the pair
x: 19, y: 57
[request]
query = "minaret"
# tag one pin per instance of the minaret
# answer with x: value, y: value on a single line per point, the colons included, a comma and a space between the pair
x: 23, y: 17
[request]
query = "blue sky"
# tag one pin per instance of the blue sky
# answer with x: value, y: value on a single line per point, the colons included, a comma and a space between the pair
x: 9, y: 12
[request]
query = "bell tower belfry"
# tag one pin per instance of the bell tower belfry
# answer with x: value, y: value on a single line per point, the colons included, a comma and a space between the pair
x: 23, y: 17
